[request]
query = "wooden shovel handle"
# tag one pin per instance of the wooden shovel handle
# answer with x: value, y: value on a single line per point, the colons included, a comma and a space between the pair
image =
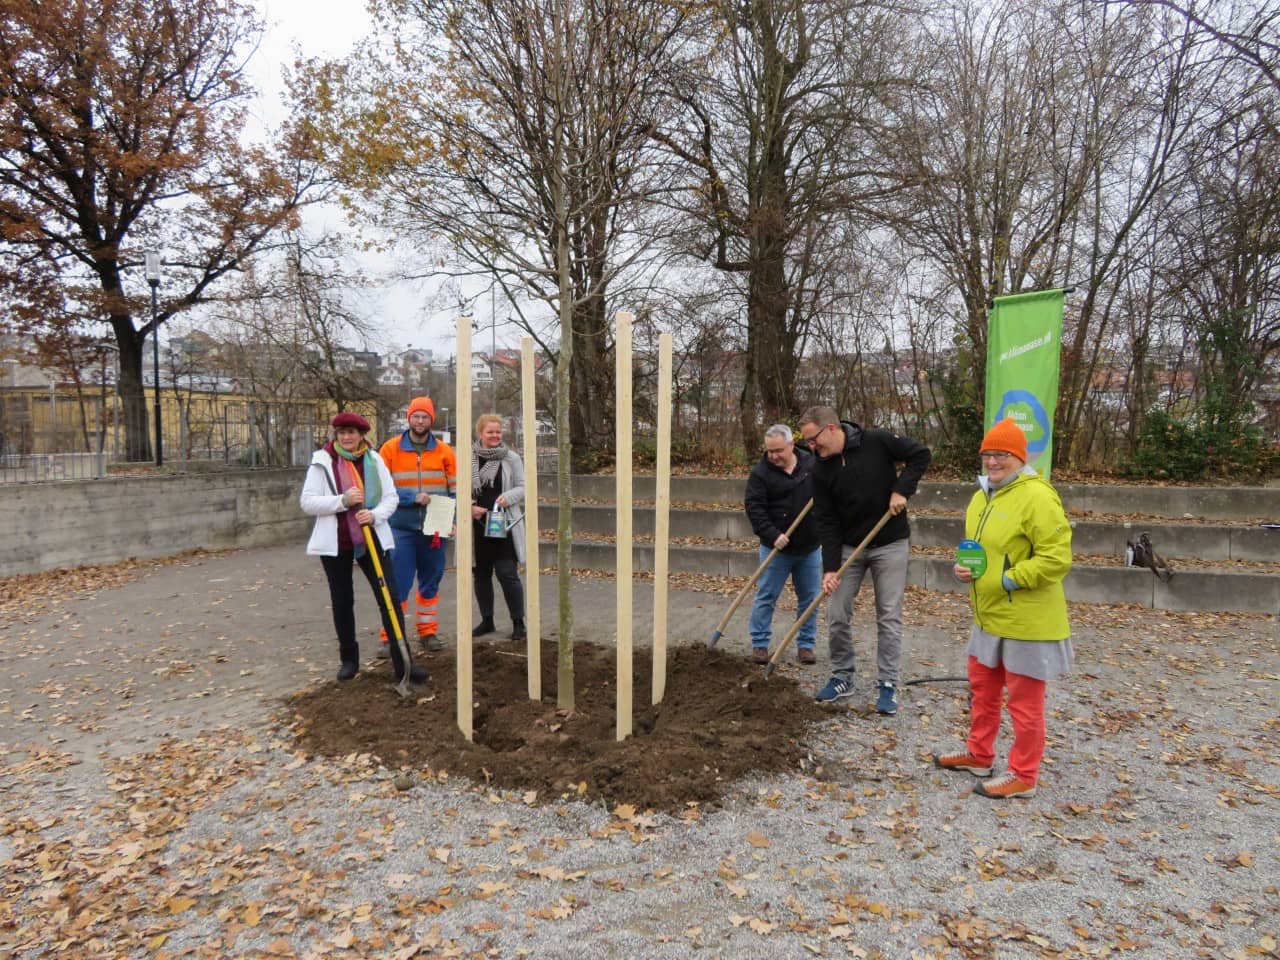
x: 737, y: 601
x: 808, y: 611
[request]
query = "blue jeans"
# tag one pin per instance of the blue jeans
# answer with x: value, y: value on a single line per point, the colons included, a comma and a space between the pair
x: 806, y: 576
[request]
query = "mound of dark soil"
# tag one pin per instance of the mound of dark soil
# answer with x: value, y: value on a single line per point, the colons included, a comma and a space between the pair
x: 719, y: 720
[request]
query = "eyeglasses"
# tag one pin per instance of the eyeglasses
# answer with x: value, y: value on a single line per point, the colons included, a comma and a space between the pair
x: 808, y: 441
x: 995, y: 456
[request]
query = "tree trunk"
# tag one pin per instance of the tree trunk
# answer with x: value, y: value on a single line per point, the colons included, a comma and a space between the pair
x: 564, y: 369
x: 133, y: 400
x: 590, y: 383
x: 769, y: 390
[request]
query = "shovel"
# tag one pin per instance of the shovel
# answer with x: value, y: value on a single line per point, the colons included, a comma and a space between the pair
x: 402, y: 687
x: 808, y: 611
x: 737, y: 601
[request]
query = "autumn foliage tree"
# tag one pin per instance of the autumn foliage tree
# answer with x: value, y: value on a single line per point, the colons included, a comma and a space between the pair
x: 122, y: 132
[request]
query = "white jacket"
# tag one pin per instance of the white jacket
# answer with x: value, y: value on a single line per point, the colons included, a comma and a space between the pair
x: 322, y: 501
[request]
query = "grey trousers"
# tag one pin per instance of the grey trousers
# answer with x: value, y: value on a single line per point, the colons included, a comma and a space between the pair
x: 888, y: 567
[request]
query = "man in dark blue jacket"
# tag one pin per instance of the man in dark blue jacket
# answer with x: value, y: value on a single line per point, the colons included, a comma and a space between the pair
x: 778, y: 489
x: 855, y: 480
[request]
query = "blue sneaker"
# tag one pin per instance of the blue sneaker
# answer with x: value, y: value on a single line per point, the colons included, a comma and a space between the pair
x: 887, y: 700
x: 836, y: 689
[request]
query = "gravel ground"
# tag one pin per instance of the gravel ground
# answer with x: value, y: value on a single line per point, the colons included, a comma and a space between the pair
x: 153, y: 804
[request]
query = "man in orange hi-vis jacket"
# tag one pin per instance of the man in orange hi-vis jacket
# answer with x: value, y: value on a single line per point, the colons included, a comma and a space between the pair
x: 423, y: 466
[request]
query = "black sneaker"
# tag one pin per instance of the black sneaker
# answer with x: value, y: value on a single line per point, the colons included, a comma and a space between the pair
x: 348, y: 670
x: 484, y: 627
x: 417, y: 674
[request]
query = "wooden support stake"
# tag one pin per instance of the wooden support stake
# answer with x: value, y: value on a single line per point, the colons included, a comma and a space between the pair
x: 622, y: 408
x: 462, y: 553
x: 662, y: 520
x: 532, y: 594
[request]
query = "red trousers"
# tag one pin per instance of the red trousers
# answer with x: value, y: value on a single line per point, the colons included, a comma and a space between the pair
x: 1026, y: 709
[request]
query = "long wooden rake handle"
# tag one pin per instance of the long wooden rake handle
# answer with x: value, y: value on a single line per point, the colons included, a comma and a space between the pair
x: 813, y: 605
x: 737, y: 601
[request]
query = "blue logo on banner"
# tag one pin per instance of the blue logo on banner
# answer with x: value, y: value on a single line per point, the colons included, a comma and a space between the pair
x: 1032, y: 402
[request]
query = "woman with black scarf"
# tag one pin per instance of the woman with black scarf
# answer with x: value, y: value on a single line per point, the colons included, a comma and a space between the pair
x: 497, y: 490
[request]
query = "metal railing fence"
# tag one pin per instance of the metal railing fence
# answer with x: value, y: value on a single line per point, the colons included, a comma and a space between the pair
x: 59, y: 435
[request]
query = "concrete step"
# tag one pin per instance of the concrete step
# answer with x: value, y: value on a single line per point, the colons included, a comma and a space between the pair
x: 1205, y: 524
x: 1189, y: 589
x: 1260, y: 504
x: 1199, y: 541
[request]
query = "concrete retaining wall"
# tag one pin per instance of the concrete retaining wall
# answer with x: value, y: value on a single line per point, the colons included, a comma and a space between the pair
x: 1093, y: 537
x: 74, y: 523
x: 1193, y: 587
x: 79, y: 522
x: 1209, y: 503
x: 1190, y: 590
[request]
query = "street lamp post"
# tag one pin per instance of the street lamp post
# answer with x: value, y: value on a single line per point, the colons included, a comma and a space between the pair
x: 493, y: 347
x: 152, y: 259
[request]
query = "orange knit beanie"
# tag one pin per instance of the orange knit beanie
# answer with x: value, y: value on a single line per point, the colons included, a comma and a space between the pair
x: 1007, y: 436
x: 424, y: 404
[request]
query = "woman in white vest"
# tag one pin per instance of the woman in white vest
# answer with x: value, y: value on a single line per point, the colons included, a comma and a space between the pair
x: 349, y: 488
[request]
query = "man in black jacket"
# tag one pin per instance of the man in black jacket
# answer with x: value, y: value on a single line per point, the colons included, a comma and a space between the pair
x: 856, y: 479
x: 777, y: 490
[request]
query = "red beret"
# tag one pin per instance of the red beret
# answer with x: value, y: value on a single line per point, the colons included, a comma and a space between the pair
x: 349, y: 419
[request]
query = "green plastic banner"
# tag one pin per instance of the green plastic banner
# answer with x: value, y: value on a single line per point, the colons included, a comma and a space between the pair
x: 1024, y: 337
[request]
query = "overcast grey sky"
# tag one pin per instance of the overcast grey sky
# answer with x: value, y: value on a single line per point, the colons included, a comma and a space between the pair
x: 329, y: 28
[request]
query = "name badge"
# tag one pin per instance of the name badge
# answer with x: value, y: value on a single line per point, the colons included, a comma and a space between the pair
x: 970, y: 554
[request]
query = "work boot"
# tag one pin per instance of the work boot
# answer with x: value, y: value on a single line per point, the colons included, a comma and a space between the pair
x: 348, y: 670
x: 517, y: 630
x: 760, y: 655
x: 806, y: 655
x: 484, y: 627
x: 429, y: 642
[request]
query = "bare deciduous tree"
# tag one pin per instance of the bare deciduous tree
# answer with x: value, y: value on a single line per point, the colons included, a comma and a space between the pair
x: 776, y: 130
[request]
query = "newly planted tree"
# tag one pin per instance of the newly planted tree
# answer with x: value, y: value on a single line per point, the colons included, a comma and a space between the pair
x: 509, y: 139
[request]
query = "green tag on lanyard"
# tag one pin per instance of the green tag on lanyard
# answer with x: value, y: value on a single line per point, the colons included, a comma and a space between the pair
x: 970, y: 554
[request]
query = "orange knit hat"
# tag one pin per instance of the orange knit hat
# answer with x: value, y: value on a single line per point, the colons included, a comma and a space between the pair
x: 1008, y: 437
x: 424, y: 404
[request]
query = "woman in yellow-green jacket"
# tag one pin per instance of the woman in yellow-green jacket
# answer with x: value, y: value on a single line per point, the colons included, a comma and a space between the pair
x: 1016, y: 553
